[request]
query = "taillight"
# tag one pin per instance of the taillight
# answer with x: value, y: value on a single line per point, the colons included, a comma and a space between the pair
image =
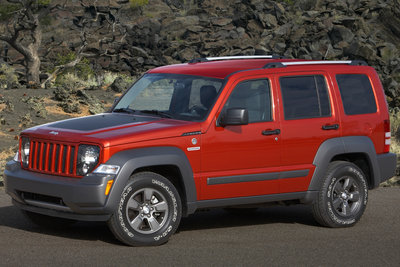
x: 386, y: 126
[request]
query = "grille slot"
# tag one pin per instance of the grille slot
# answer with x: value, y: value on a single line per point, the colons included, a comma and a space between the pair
x: 51, y: 157
x: 42, y: 198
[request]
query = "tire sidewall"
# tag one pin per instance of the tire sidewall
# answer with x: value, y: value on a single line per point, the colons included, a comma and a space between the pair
x: 173, y: 218
x: 343, y: 170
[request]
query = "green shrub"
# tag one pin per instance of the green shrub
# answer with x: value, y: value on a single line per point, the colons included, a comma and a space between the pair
x: 138, y: 3
x: 8, y: 78
x: 73, y: 81
x: 43, y: 2
x: 107, y: 78
x: 395, y: 125
x: 7, y: 10
x: 46, y: 20
x: 83, y: 69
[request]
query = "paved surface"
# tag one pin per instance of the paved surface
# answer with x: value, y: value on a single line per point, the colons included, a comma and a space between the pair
x: 270, y: 236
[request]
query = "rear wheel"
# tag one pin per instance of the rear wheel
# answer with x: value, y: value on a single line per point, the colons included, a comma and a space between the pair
x: 149, y: 211
x: 343, y: 197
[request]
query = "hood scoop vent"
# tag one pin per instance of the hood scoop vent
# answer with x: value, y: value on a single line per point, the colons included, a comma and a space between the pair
x: 97, y: 122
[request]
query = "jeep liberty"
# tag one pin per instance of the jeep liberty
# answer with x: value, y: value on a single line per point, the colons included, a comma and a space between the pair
x: 214, y: 132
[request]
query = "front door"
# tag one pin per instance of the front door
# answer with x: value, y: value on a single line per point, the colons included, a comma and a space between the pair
x: 243, y: 160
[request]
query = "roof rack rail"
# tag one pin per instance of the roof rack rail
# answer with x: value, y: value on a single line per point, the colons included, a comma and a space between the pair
x: 198, y: 60
x: 349, y: 62
x: 314, y: 62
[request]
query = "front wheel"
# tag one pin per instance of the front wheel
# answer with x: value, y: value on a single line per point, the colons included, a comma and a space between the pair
x: 149, y: 211
x: 343, y: 197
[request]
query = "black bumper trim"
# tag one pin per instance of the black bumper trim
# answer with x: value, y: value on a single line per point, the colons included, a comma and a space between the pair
x: 62, y: 214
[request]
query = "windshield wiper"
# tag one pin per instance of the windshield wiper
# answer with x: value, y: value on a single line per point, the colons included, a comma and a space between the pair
x: 124, y: 110
x: 160, y: 113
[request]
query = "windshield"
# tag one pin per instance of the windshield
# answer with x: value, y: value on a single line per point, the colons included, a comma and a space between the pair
x: 181, y: 97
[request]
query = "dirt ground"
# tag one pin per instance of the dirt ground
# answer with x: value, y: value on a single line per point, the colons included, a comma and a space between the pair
x: 24, y: 108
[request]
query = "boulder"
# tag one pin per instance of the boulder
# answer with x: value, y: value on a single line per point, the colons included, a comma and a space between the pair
x: 119, y: 85
x: 341, y: 33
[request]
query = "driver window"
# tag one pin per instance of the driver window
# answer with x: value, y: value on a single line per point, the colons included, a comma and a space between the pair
x: 253, y: 95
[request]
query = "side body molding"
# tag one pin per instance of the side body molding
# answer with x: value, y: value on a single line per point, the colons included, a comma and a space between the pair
x: 344, y: 145
x: 130, y: 160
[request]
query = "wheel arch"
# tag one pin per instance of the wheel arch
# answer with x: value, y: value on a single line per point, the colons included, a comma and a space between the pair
x: 359, y: 150
x: 170, y: 162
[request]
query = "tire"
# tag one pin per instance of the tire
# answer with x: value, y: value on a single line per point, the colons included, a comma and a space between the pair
x: 48, y: 222
x: 343, y: 197
x: 149, y: 211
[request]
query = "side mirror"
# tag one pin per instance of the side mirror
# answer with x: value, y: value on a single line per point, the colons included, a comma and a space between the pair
x: 234, y: 116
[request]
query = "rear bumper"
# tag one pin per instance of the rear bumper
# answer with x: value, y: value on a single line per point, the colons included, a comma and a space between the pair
x: 387, y: 165
x: 79, y: 199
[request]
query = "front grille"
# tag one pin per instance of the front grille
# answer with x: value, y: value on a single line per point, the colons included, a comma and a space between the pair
x: 52, y: 157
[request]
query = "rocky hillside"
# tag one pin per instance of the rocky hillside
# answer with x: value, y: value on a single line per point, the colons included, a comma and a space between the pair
x: 131, y: 36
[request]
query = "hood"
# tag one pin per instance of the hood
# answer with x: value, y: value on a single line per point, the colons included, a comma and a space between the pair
x: 111, y: 129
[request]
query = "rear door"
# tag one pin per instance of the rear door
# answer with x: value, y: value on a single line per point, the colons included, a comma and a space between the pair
x: 308, y: 120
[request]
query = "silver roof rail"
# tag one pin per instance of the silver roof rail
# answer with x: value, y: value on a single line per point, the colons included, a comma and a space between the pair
x: 349, y: 62
x: 273, y: 65
x: 197, y: 60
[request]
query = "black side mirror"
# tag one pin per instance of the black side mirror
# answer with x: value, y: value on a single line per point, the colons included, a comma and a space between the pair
x: 234, y: 116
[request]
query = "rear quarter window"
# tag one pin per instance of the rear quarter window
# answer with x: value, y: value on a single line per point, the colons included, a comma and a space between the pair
x: 356, y: 93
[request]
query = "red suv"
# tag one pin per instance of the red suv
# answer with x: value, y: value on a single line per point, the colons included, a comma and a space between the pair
x: 215, y: 132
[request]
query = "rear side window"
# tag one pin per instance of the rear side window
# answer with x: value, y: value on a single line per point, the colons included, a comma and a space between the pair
x: 356, y: 92
x: 305, y: 97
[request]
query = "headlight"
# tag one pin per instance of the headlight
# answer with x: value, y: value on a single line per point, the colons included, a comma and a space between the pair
x: 25, y: 150
x: 88, y: 157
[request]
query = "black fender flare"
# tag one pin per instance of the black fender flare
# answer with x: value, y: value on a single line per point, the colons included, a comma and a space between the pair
x: 344, y: 145
x: 130, y: 160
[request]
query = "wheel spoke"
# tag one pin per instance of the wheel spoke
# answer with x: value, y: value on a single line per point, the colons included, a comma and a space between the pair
x: 148, y: 193
x: 346, y: 183
x: 336, y: 203
x: 338, y: 188
x: 133, y: 204
x: 154, y: 225
x: 136, y: 222
x: 161, y: 206
x: 346, y: 208
x: 355, y: 196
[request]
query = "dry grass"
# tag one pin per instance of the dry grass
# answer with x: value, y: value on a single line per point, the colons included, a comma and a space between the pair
x: 52, y: 108
x: 394, y: 147
x: 5, y: 156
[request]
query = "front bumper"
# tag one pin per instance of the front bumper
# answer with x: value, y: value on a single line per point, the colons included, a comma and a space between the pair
x: 73, y: 198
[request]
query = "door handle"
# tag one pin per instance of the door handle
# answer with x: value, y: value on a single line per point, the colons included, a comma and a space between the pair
x: 271, y: 132
x: 330, y: 127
